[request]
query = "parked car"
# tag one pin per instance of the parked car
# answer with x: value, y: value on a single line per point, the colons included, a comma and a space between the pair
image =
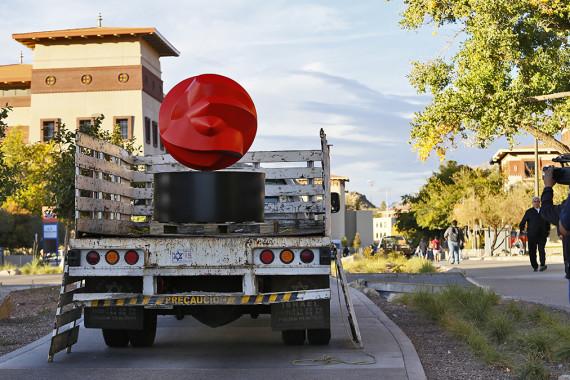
x: 397, y: 244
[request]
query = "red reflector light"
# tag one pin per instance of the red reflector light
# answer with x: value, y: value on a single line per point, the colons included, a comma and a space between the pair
x: 92, y: 257
x: 131, y: 257
x: 287, y: 256
x: 267, y: 256
x: 307, y: 256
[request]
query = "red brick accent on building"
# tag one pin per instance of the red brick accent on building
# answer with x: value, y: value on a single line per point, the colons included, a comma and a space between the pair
x: 103, y: 79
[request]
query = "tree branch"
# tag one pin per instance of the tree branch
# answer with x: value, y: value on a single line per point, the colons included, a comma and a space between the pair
x: 546, y: 138
x: 556, y: 95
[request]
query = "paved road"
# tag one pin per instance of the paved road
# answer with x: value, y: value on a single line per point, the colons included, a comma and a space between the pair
x: 245, y: 349
x: 516, y: 279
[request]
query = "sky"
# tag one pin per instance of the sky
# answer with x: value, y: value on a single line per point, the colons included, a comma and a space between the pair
x: 307, y: 65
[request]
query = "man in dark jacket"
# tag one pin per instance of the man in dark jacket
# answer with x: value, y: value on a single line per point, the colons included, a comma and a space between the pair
x: 551, y: 213
x: 537, y: 232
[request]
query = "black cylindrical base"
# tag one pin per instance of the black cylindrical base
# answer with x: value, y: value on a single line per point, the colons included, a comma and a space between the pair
x: 209, y: 197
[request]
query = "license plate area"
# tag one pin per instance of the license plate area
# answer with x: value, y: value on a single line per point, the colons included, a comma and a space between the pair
x: 114, y: 318
x: 313, y: 314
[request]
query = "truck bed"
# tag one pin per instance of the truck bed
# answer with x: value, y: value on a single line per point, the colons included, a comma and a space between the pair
x: 114, y: 193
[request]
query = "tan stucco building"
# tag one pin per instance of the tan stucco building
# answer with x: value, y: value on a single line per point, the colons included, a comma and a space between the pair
x: 77, y: 74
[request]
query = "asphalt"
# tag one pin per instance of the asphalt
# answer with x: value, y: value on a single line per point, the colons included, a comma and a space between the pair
x: 245, y: 349
x: 516, y: 279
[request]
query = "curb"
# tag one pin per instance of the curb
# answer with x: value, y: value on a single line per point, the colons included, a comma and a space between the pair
x: 412, y: 362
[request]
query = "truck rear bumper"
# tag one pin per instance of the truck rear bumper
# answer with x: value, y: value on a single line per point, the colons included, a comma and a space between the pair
x: 167, y: 301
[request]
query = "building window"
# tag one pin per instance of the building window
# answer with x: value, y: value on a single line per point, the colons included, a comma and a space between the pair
x: 147, y: 130
x: 84, y: 124
x: 49, y: 128
x: 529, y: 168
x: 155, y: 134
x: 125, y: 124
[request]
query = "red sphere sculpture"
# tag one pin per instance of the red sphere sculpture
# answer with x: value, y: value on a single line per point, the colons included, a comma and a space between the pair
x: 207, y: 122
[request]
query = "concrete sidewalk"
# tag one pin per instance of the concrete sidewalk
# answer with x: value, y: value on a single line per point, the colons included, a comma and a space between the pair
x: 245, y: 349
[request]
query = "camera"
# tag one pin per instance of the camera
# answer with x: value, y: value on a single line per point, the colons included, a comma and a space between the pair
x: 561, y: 175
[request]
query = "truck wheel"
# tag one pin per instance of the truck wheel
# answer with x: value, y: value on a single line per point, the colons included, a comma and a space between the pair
x: 116, y: 338
x: 293, y: 337
x: 319, y: 337
x: 144, y: 337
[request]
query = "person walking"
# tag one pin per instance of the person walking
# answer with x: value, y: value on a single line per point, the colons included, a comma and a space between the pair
x: 423, y: 246
x: 454, y: 238
x: 436, y: 249
x: 537, y: 231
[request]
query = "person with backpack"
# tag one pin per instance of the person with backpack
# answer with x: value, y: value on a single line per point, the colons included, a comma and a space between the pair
x: 454, y: 238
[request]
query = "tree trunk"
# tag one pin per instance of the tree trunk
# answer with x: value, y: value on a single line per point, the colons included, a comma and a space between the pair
x: 548, y: 140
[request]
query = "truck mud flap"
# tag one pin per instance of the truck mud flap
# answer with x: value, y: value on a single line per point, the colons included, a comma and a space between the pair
x: 313, y: 314
x: 114, y: 318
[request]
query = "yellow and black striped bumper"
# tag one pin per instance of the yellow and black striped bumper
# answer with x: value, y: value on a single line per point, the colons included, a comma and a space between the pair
x: 166, y: 300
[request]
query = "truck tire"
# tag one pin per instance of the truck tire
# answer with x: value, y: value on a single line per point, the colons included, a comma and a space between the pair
x: 293, y: 337
x: 115, y: 338
x: 144, y: 337
x: 319, y: 337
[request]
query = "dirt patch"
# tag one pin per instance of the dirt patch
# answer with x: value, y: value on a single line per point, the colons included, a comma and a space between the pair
x: 31, y: 316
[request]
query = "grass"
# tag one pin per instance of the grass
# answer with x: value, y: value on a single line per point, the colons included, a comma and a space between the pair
x: 36, y: 267
x: 392, y: 263
x: 502, y: 334
x: 7, y: 267
x: 533, y: 369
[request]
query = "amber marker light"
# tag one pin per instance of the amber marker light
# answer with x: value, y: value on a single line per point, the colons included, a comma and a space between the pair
x: 287, y: 256
x: 112, y: 257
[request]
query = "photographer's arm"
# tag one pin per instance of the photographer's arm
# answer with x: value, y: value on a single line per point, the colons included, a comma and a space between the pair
x: 548, y: 211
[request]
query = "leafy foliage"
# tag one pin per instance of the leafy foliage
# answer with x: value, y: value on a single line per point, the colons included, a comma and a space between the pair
x: 17, y: 230
x: 61, y: 176
x: 26, y: 165
x: 510, y: 51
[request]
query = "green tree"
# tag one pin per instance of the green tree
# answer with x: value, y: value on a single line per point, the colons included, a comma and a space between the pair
x: 356, y: 243
x: 433, y: 205
x: 6, y: 182
x: 511, y: 72
x: 26, y: 165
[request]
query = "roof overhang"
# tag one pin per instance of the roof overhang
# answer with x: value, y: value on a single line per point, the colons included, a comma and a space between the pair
x: 150, y: 35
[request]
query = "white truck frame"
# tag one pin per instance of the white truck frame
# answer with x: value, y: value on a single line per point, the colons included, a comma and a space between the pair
x: 208, y: 265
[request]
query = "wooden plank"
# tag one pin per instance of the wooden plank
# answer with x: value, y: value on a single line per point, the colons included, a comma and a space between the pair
x: 109, y: 167
x: 294, y: 207
x: 270, y: 173
x: 249, y: 157
x: 99, y: 185
x: 67, y: 298
x: 142, y: 210
x: 63, y: 340
x: 98, y: 145
x: 67, y: 317
x: 293, y: 190
x: 142, y: 177
x: 326, y: 182
x: 282, y: 156
x: 109, y: 227
x: 91, y: 204
x: 92, y: 184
